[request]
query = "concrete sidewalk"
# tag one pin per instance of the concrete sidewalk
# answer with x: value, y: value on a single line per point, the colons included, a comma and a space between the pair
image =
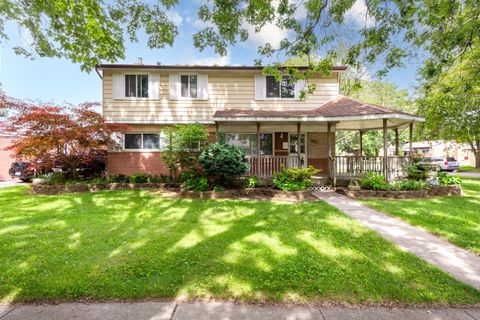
x: 460, y: 263
x: 12, y: 183
x: 466, y: 174
x: 224, y: 311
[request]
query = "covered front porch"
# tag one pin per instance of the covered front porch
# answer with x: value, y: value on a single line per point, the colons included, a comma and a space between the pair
x: 273, y: 140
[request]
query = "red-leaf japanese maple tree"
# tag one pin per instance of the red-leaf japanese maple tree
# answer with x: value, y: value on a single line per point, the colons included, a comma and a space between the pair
x: 49, y: 133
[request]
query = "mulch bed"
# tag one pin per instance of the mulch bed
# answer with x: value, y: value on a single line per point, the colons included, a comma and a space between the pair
x: 454, y: 190
x: 173, y: 190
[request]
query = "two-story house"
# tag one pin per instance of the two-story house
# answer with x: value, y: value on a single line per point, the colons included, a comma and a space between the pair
x: 263, y: 117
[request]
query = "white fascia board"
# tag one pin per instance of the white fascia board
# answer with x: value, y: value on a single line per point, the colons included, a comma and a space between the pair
x: 324, y: 119
x: 161, y: 121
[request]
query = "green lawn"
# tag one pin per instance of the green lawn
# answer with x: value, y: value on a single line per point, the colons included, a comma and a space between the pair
x: 456, y: 219
x: 468, y: 169
x: 135, y: 244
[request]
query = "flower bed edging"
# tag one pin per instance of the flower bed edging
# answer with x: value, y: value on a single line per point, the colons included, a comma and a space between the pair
x: 51, y: 189
x: 175, y: 190
x: 453, y: 190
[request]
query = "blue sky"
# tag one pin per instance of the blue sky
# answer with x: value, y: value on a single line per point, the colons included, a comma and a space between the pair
x: 60, y: 80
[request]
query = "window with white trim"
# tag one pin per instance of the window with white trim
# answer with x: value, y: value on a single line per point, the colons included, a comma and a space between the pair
x: 247, y: 142
x: 283, y: 89
x: 136, y: 86
x: 144, y: 141
x: 294, y: 143
x: 188, y: 86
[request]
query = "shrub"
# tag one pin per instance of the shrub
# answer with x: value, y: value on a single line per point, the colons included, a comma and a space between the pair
x: 194, y: 181
x: 374, y: 181
x: 252, y: 182
x: 139, y: 178
x: 97, y: 181
x: 416, y: 172
x: 218, y: 188
x: 223, y: 162
x: 58, y: 177
x: 120, y: 178
x: 294, y: 179
x: 445, y: 180
x: 159, y: 179
x: 410, y: 185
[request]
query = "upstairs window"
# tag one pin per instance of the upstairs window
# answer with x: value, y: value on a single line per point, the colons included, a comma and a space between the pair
x: 136, y: 85
x: 283, y: 89
x: 188, y: 86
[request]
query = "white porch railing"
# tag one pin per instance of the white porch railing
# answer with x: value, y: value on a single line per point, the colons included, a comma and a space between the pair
x: 267, y: 166
x: 339, y: 166
x: 356, y: 166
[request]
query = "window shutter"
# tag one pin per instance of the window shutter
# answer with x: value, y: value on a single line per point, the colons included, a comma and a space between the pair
x: 260, y: 87
x: 174, y: 85
x: 118, y: 86
x: 202, y: 87
x: 299, y: 86
x: 154, y: 86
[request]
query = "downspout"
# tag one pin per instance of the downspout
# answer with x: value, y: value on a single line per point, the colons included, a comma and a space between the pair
x: 99, y: 74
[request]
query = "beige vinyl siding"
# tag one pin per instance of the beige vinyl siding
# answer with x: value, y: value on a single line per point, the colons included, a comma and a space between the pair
x: 232, y: 90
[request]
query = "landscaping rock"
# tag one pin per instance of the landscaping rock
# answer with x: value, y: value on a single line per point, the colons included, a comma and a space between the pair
x: 38, y: 181
x: 174, y: 190
x: 453, y: 190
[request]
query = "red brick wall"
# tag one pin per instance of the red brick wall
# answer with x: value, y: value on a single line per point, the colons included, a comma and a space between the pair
x: 142, y: 162
x: 134, y: 162
x: 5, y: 158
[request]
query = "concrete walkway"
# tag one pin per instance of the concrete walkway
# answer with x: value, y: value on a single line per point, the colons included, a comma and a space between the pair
x: 460, y: 263
x: 223, y: 311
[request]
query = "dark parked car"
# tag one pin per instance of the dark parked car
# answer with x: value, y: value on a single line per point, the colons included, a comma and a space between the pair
x: 21, y: 170
x: 25, y: 170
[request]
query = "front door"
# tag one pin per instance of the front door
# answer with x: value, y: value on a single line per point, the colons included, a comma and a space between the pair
x: 293, y: 151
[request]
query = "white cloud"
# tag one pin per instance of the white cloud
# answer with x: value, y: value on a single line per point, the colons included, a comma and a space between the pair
x: 200, y: 24
x: 358, y: 14
x: 269, y: 33
x: 175, y: 18
x: 213, y: 61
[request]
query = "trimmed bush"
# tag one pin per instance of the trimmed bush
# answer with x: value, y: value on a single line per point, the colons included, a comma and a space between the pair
x: 120, y: 178
x: 194, y: 181
x: 139, y: 178
x: 294, y: 179
x: 223, y: 163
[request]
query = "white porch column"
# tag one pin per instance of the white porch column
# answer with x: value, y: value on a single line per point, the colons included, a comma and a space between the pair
x: 258, y: 150
x: 299, y: 144
x: 385, y: 151
x: 397, y: 151
x: 410, y: 138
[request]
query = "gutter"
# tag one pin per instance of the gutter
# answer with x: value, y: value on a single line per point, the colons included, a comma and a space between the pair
x: 96, y: 70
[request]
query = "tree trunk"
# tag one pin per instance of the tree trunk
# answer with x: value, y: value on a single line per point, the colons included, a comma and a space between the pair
x: 477, y: 159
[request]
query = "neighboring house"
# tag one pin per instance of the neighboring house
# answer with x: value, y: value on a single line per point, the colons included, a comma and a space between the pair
x: 259, y: 115
x: 439, y: 148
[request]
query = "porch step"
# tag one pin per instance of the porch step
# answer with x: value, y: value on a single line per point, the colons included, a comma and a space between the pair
x: 321, y: 183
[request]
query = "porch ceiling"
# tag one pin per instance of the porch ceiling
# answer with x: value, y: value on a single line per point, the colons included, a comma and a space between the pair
x: 346, y: 113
